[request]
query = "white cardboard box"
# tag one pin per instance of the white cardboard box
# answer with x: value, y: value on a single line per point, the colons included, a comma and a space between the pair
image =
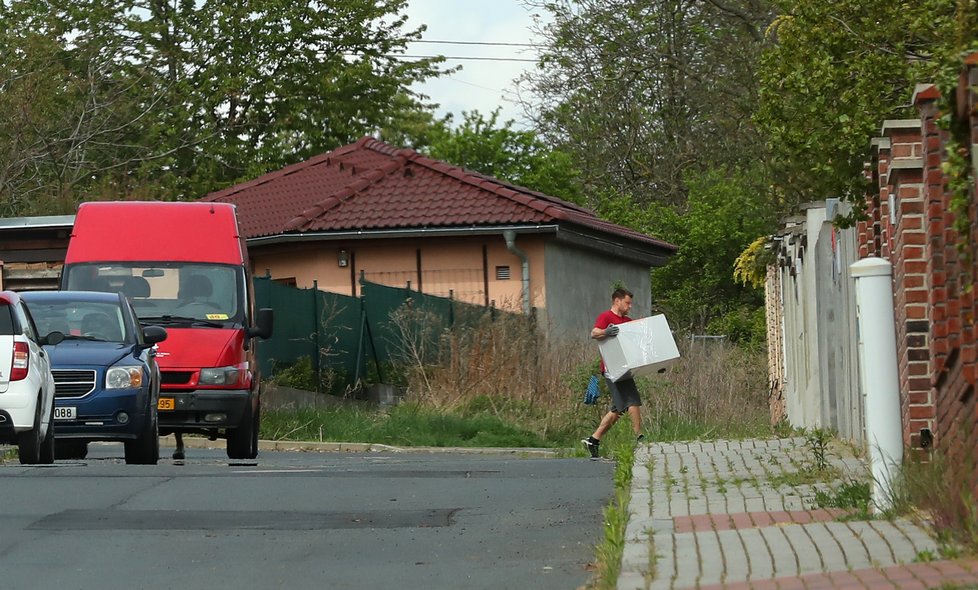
x: 642, y: 347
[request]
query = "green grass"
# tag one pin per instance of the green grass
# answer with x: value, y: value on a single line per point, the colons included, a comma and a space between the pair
x: 403, y: 425
x: 476, y: 425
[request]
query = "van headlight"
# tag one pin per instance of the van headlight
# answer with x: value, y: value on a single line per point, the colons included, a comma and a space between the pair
x: 219, y: 376
x: 123, y: 377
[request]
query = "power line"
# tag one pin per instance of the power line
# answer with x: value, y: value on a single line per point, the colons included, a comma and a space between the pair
x: 462, y: 57
x: 490, y: 43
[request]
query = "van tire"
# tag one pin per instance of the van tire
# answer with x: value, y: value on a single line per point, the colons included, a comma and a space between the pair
x: 145, y: 450
x: 47, y: 445
x: 29, y: 443
x: 243, y: 440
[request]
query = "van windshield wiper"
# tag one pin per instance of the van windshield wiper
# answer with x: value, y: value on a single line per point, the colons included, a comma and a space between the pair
x: 178, y: 319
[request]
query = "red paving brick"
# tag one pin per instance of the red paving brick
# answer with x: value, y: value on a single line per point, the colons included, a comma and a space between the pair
x: 741, y: 520
x: 761, y: 519
x: 746, y: 520
x: 845, y: 580
x: 914, y: 576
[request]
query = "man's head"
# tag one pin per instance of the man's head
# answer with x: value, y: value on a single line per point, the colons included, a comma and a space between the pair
x: 621, y: 301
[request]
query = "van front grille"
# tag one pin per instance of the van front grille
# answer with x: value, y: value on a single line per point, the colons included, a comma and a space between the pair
x: 175, y: 377
x: 73, y: 382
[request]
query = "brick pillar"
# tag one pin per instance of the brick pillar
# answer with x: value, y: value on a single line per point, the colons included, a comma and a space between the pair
x: 953, y: 274
x: 881, y: 244
x: 905, y: 241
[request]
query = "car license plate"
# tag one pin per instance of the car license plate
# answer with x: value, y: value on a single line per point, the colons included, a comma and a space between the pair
x: 65, y: 413
x: 165, y: 404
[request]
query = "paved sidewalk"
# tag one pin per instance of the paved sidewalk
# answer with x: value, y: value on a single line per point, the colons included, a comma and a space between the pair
x: 721, y: 515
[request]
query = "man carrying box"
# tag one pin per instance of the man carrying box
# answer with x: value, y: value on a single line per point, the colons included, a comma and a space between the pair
x: 624, y: 393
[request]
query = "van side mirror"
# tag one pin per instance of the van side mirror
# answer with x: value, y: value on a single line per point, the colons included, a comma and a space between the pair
x: 154, y: 334
x: 263, y: 323
x: 53, y: 338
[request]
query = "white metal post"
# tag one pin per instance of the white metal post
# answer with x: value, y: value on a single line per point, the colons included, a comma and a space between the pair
x: 880, y: 379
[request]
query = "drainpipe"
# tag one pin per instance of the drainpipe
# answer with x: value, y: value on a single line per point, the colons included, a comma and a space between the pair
x: 510, y: 237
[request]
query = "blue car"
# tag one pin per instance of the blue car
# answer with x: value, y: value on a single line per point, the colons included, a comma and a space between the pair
x: 107, y: 382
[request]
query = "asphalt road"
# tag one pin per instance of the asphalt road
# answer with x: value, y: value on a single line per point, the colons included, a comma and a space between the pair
x: 302, y: 520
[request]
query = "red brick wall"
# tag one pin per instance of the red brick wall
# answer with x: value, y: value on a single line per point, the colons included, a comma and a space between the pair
x: 952, y: 273
x: 935, y: 273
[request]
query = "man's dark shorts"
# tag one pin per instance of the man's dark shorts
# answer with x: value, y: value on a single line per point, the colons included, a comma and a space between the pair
x: 624, y: 394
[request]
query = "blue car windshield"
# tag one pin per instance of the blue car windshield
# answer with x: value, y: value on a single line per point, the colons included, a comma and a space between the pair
x: 207, y: 293
x: 90, y: 320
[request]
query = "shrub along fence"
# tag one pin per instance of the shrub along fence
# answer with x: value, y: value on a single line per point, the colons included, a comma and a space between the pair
x: 352, y: 339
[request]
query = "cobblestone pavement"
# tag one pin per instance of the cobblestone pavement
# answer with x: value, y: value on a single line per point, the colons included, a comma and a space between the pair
x: 737, y: 515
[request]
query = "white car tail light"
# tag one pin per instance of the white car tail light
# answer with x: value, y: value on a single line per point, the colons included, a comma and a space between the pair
x: 21, y: 362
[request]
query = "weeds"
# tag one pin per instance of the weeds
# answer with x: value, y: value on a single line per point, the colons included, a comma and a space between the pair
x: 818, y: 441
x: 939, y: 487
x: 853, y: 495
x: 609, y: 551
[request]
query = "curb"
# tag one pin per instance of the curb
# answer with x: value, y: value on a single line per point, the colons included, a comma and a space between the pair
x: 192, y: 442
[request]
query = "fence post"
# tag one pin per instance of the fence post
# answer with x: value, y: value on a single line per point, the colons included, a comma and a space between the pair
x: 451, y: 308
x: 878, y: 373
x: 316, y: 322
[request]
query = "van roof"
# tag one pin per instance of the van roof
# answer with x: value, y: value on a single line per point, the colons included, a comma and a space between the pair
x: 133, y: 231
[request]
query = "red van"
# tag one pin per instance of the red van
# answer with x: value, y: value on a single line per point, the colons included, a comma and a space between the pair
x: 185, y: 267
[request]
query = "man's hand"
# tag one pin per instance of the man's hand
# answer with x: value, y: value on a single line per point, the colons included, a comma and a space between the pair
x: 611, y: 330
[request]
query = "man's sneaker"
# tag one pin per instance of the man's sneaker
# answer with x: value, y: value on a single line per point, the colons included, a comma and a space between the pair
x: 640, y: 439
x: 591, y: 444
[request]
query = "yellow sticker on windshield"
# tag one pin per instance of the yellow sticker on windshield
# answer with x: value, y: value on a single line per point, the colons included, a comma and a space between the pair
x: 217, y: 316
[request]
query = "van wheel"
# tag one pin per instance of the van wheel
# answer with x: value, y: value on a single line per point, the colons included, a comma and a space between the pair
x: 255, y: 430
x: 243, y: 440
x: 145, y: 450
x: 70, y: 449
x: 29, y: 443
x: 47, y: 445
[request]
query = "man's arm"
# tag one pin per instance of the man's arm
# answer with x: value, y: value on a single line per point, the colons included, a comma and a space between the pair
x: 602, y: 333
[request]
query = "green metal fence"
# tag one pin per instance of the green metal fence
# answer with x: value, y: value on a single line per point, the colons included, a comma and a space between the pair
x: 358, y: 338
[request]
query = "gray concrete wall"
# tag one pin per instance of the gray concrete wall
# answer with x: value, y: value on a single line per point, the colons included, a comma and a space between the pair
x: 842, y: 406
x: 818, y: 324
x: 579, y: 285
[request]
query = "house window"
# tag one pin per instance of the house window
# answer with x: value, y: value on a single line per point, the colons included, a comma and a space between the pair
x: 288, y: 281
x: 502, y: 273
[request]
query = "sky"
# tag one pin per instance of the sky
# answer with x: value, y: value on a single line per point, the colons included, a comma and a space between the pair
x: 480, y: 85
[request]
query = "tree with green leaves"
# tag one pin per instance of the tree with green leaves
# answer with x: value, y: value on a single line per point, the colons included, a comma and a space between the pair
x: 831, y: 73
x: 641, y: 92
x: 726, y: 210
x: 176, y: 98
x: 483, y: 145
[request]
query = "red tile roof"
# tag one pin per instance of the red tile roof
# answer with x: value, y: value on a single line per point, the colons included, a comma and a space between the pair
x: 370, y: 185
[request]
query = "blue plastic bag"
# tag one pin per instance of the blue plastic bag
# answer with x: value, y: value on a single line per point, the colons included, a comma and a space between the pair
x: 592, y: 393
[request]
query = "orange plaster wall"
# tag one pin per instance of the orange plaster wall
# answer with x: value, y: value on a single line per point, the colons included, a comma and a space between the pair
x: 447, y: 263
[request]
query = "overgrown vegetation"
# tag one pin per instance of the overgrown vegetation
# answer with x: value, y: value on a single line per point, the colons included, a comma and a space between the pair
x: 495, y: 373
x: 931, y: 485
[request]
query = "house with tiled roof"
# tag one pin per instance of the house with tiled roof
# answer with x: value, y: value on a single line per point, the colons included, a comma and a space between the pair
x: 396, y: 217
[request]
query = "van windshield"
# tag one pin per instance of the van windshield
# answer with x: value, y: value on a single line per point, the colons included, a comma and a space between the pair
x: 211, y: 293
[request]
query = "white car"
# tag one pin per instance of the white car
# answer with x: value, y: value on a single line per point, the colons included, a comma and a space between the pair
x: 26, y: 384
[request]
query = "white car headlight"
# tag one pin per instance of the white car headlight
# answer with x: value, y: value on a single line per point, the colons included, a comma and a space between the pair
x: 219, y: 376
x: 123, y: 377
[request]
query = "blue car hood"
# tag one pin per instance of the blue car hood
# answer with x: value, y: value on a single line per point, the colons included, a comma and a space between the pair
x: 87, y: 352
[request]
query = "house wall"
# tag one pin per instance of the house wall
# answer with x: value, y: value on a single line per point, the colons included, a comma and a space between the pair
x: 457, y: 267
x: 579, y: 287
